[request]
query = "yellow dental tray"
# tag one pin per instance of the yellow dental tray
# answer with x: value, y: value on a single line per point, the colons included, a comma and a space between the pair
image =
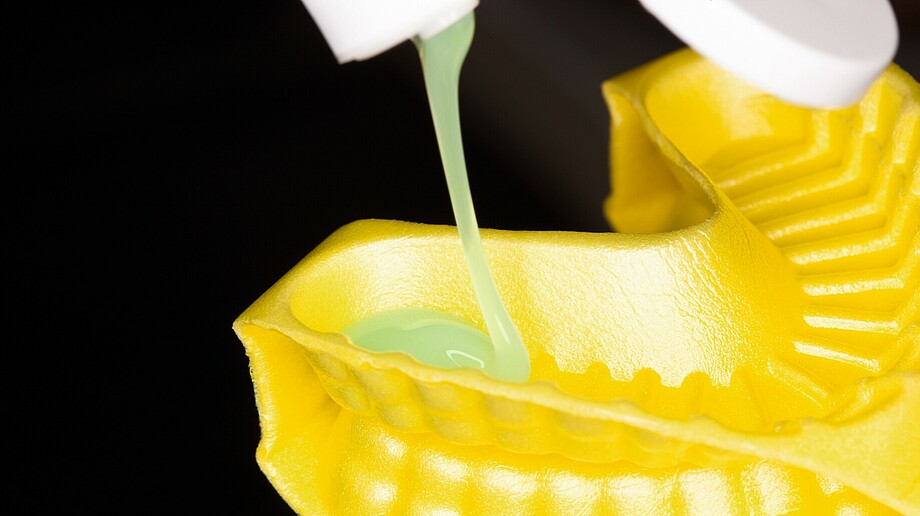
x: 748, y: 342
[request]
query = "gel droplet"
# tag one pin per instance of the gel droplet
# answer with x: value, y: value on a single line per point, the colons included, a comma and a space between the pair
x: 435, y: 338
x: 431, y: 337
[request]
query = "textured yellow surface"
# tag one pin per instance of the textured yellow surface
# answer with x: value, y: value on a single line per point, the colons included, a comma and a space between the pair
x: 748, y: 343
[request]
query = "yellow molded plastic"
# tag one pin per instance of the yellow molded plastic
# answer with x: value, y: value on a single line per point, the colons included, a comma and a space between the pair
x: 748, y: 343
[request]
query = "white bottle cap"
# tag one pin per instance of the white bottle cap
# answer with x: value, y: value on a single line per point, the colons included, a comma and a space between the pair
x: 360, y: 29
x: 817, y: 53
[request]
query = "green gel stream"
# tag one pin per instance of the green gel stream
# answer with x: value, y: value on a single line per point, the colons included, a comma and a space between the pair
x: 433, y: 337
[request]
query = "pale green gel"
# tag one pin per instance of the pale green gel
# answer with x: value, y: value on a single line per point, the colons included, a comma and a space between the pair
x: 433, y: 337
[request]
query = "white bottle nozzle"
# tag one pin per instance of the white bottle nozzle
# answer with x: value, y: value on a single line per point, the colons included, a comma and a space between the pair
x: 361, y: 29
x: 817, y: 53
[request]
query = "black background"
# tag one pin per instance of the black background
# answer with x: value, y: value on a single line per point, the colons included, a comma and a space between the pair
x: 170, y: 162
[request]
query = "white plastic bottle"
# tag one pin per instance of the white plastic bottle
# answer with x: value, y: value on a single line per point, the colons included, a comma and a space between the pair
x: 360, y: 29
x: 817, y: 53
